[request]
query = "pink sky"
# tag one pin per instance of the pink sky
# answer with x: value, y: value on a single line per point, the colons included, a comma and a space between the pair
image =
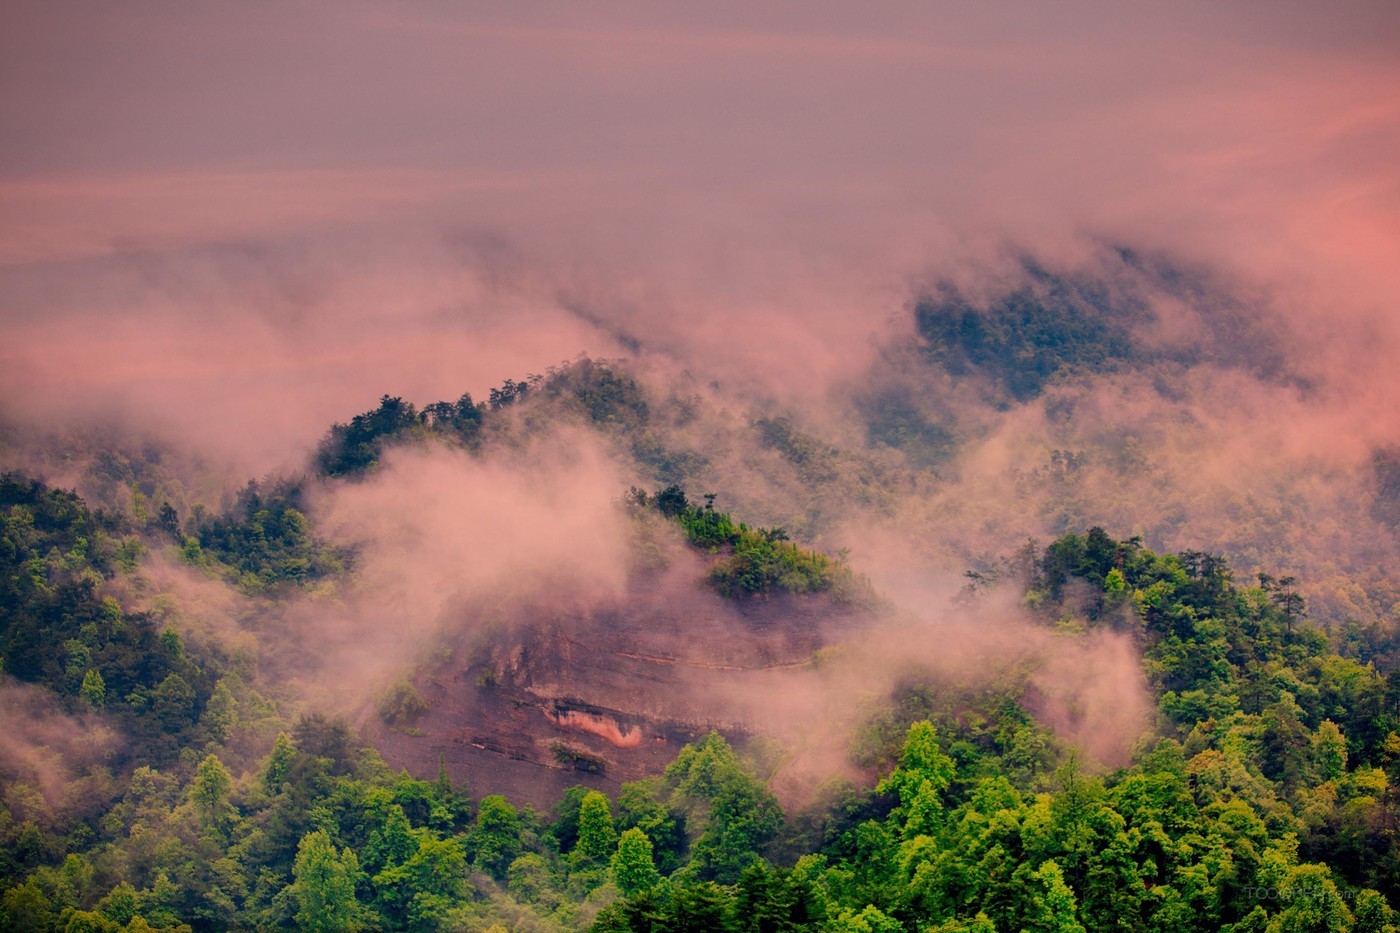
x: 230, y: 220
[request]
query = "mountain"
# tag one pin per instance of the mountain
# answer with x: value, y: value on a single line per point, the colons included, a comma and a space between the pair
x: 1010, y: 632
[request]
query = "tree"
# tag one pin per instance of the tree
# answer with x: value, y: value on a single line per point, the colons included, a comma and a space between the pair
x: 324, y: 885
x: 1373, y: 914
x: 564, y: 827
x: 639, y: 804
x: 169, y: 522
x: 279, y: 763
x: 671, y: 501
x: 1329, y: 751
x: 442, y: 787
x: 173, y: 701
x: 1286, y: 743
x: 221, y: 712
x: 26, y: 907
x: 94, y: 690
x: 597, y: 838
x: 79, y: 660
x: 700, y: 908
x: 1054, y: 908
x: 919, y: 781
x: 774, y: 900
x: 495, y: 838
x: 1314, y: 904
x: 1289, y: 600
x: 632, y: 864
x: 209, y: 792
x: 529, y: 878
x: 738, y: 812
x: 121, y: 904
x: 744, y: 817
x: 870, y: 919
x: 85, y: 921
x: 402, y: 704
x: 423, y: 889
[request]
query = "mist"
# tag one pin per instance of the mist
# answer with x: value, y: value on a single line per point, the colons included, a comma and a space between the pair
x: 446, y: 545
x: 50, y: 761
x: 335, y: 200
x: 224, y: 232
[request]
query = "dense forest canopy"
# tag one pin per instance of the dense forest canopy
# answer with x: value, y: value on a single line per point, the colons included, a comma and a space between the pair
x: 170, y: 774
x: 352, y: 693
x: 1260, y: 796
x: 663, y: 467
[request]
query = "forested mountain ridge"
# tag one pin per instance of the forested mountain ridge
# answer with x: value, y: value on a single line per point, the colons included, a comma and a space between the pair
x: 1265, y: 802
x: 1054, y: 325
x: 578, y: 688
x: 63, y: 633
x: 685, y: 467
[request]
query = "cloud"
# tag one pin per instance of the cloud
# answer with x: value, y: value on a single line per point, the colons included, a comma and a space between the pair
x: 228, y: 231
x: 44, y: 749
x: 750, y: 195
x: 448, y: 547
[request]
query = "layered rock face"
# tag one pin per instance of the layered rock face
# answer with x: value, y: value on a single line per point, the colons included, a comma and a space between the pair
x: 606, y: 693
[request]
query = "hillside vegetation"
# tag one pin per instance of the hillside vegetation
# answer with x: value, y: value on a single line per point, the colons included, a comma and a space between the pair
x: 1265, y: 801
x: 156, y: 776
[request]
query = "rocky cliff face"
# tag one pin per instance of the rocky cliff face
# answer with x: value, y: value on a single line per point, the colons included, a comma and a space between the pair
x: 603, y: 694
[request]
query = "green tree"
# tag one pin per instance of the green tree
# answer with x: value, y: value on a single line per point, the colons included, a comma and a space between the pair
x: 632, y: 865
x: 85, y: 921
x: 494, y: 841
x: 1329, y: 751
x: 390, y: 840
x: 26, y: 907
x: 324, y: 886
x: 1314, y: 904
x: 426, y: 887
x: 739, y: 815
x: 870, y: 919
x: 442, y: 787
x: 121, y: 904
x: 564, y: 827
x: 221, y: 712
x: 279, y: 763
x: 529, y: 878
x: 702, y: 907
x: 919, y: 781
x: 1373, y: 914
x: 1054, y: 907
x: 94, y: 690
x: 777, y: 900
x: 210, y: 792
x: 173, y: 700
x: 640, y: 804
x: 79, y: 660
x: 1286, y: 743
x: 402, y: 704
x: 597, y: 837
